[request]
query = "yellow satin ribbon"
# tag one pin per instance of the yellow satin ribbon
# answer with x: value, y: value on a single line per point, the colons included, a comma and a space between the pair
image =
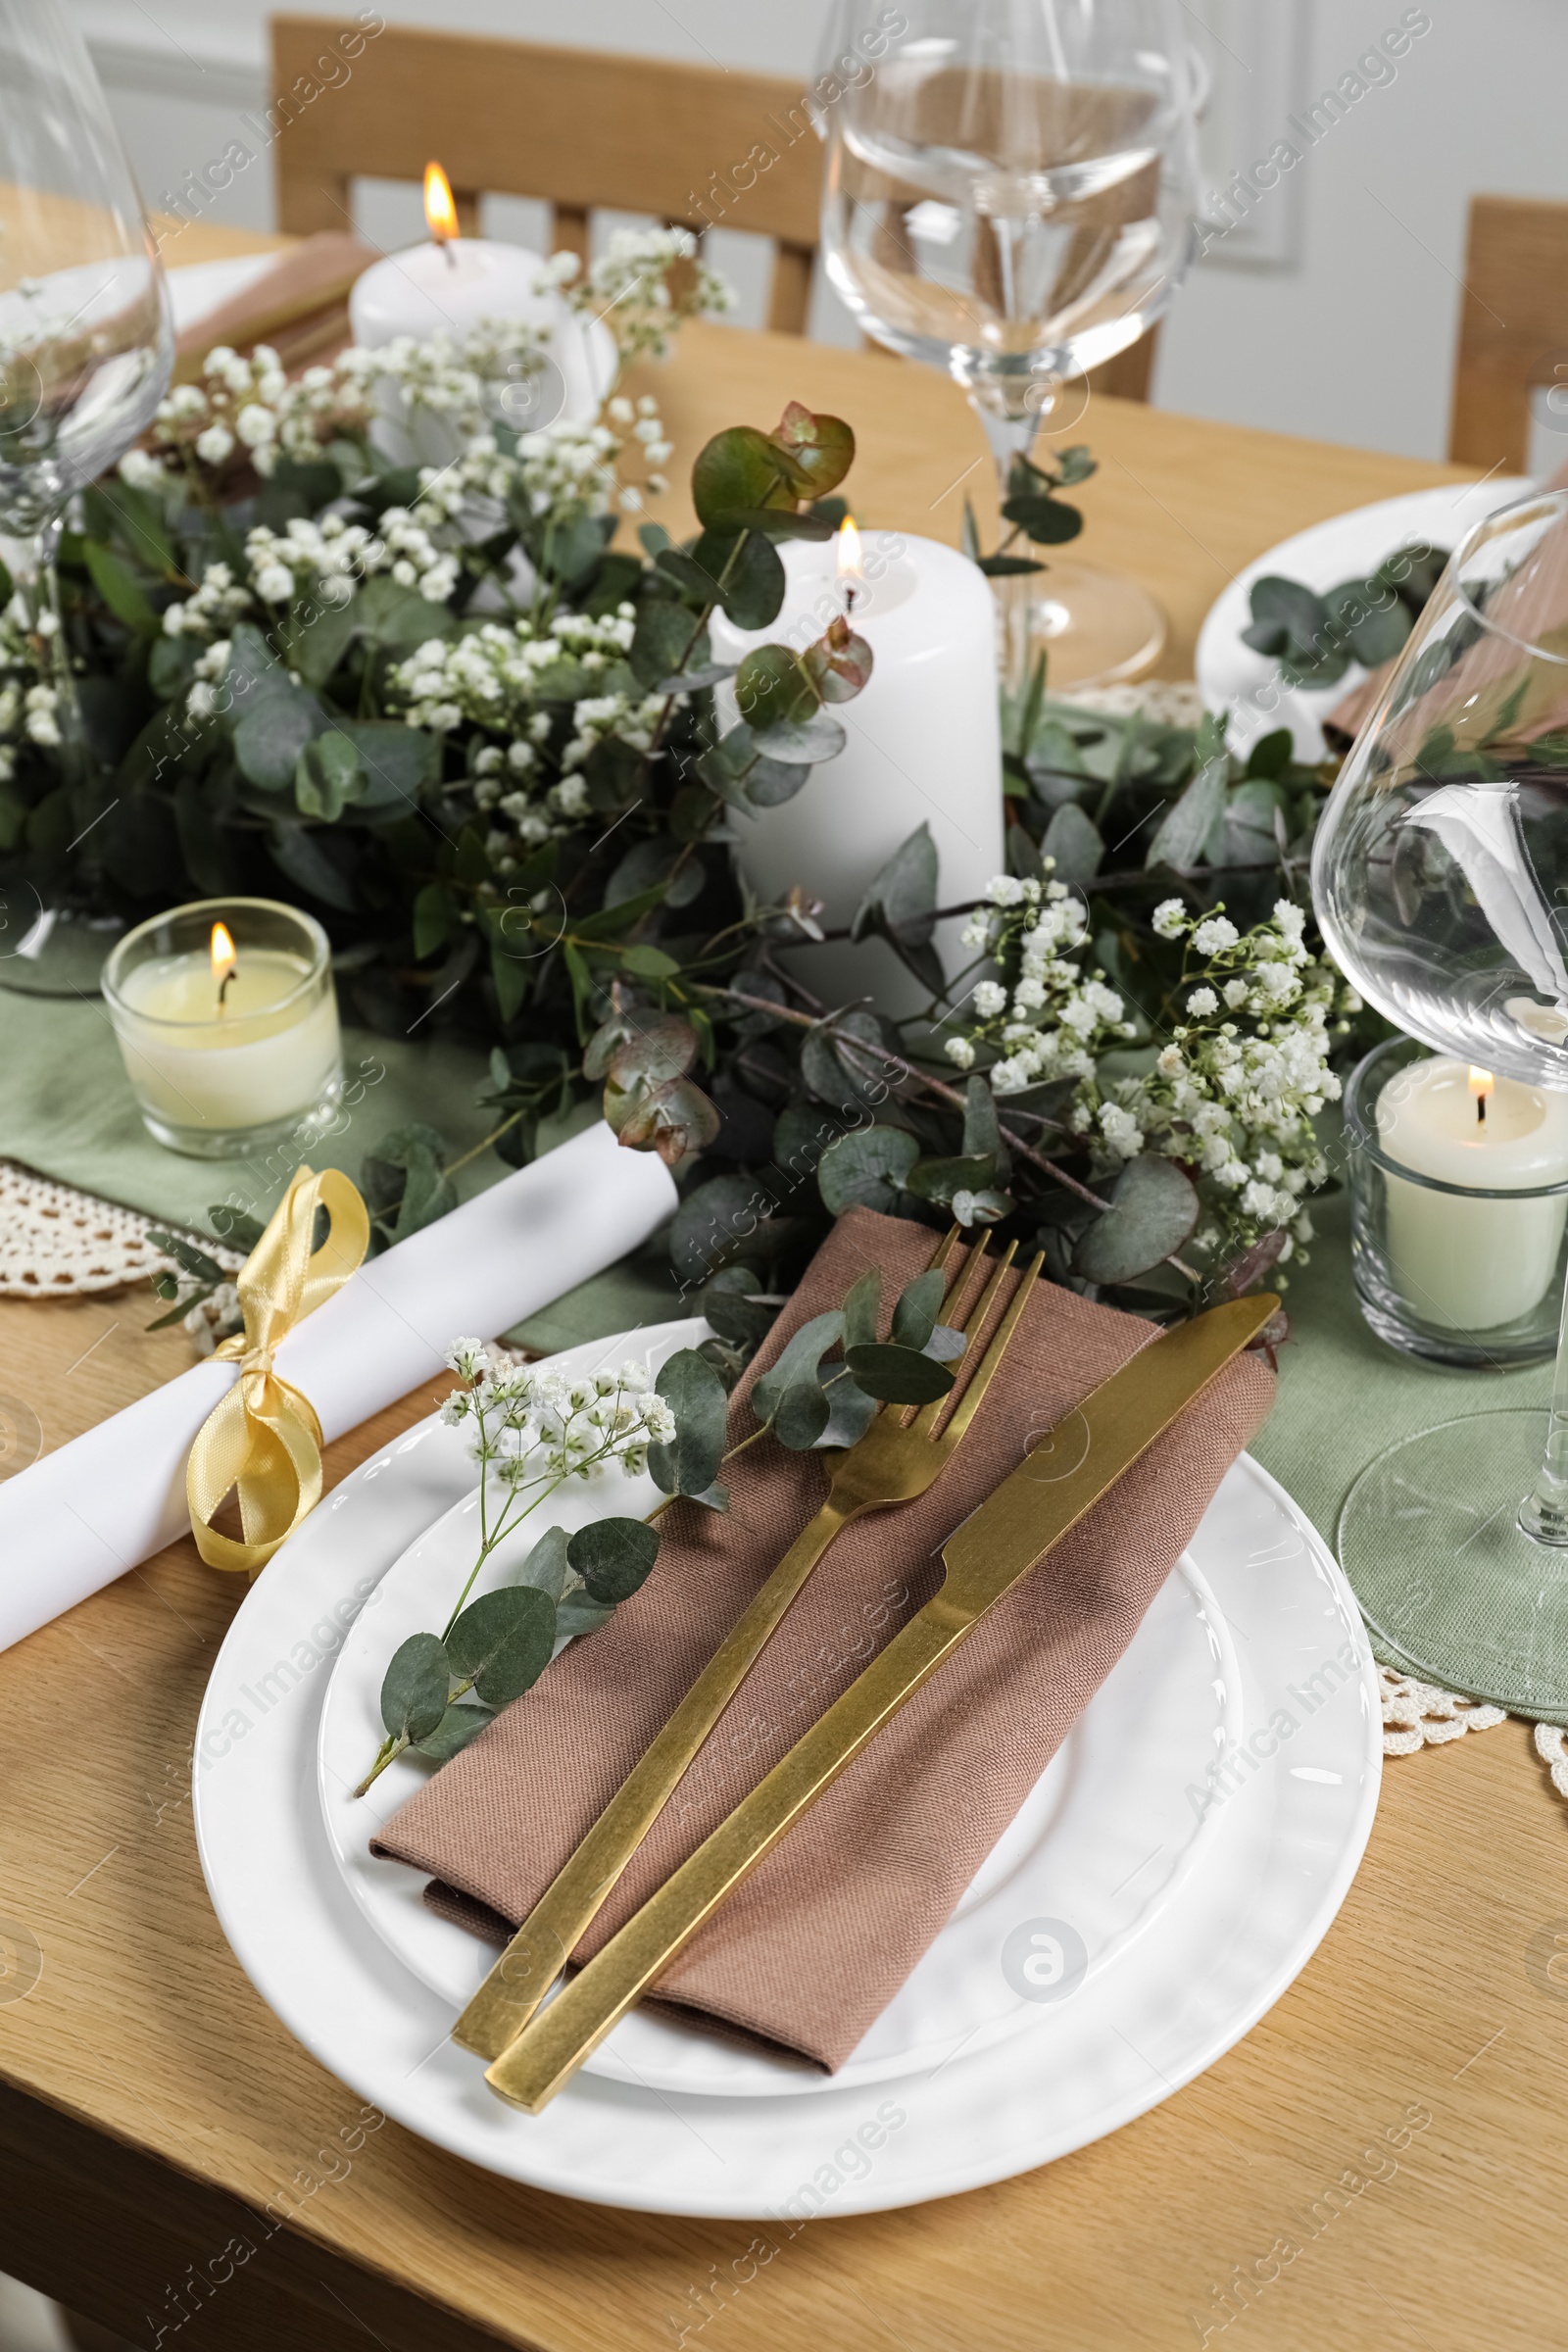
x: 264, y: 1438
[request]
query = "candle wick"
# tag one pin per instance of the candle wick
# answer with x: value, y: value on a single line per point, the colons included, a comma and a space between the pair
x: 223, y: 985
x: 1481, y: 1111
x: 849, y: 596
x: 447, y: 244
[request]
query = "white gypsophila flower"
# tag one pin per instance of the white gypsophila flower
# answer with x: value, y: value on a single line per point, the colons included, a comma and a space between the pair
x: 631, y: 287
x: 1231, y: 1096
x: 256, y: 425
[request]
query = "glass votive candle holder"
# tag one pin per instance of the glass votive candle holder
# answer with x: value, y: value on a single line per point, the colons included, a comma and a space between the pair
x: 228, y: 1024
x: 1459, y: 1207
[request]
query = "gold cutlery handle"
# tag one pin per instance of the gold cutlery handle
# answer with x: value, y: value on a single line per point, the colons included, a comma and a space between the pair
x: 536, y: 2064
x: 539, y: 1950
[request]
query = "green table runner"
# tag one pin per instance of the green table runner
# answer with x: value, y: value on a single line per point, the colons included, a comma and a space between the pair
x: 66, y: 1110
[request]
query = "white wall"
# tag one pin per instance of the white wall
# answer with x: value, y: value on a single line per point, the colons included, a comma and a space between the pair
x: 1348, y: 337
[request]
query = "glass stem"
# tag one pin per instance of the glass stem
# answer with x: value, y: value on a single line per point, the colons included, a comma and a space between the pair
x: 31, y: 563
x: 1543, y: 1512
x: 1009, y: 437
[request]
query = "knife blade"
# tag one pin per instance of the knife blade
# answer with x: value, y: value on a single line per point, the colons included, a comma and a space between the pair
x: 1002, y: 1540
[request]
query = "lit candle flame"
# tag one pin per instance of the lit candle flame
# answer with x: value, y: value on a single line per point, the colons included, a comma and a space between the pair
x: 440, y: 210
x: 1482, y: 1083
x: 852, y: 577
x: 223, y: 961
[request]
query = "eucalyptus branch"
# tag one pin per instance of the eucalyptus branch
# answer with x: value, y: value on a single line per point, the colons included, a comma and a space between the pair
x: 907, y: 1070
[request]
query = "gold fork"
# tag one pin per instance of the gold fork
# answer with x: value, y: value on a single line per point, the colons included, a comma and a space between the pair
x: 896, y: 1460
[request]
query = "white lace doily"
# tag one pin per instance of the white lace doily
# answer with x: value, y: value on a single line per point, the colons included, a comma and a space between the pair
x: 1171, y: 703
x: 58, y: 1242
x: 1552, y: 1746
x: 1420, y: 1715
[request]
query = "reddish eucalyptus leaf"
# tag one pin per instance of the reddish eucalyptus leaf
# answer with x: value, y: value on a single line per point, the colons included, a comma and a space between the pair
x: 818, y: 451
x: 1254, y: 1264
x: 637, y: 1043
x: 740, y: 469
x: 672, y: 1120
x: 839, y: 663
x: 772, y: 689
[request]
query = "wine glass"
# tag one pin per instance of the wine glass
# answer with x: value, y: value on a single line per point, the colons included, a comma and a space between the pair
x: 1008, y: 196
x: 87, y: 338
x: 1440, y: 879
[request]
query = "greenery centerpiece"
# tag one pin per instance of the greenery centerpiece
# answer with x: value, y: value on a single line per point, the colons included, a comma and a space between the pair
x: 450, y: 710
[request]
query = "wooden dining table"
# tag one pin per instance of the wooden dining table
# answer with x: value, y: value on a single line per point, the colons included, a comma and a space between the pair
x: 153, y: 2110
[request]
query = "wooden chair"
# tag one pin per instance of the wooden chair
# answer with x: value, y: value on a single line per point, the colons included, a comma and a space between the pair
x: 1513, y: 328
x: 580, y: 127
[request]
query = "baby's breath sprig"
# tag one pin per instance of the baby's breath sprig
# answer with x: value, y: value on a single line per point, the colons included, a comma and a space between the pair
x: 1234, y: 1093
x: 530, y: 1432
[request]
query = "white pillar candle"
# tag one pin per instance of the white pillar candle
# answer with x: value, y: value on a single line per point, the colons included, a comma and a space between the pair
x: 228, y: 1023
x: 449, y: 289
x: 451, y: 285
x: 924, y: 747
x: 1472, y: 1263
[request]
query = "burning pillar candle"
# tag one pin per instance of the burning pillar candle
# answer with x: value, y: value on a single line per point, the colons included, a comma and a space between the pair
x: 924, y: 746
x: 1469, y: 1262
x: 451, y: 285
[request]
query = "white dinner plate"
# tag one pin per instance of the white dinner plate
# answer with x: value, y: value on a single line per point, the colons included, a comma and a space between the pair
x: 1100, y: 2046
x: 1346, y: 547
x: 1105, y: 1839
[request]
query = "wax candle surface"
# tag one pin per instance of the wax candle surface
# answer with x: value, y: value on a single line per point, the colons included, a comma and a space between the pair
x: 453, y: 288
x: 271, y: 1050
x: 1472, y: 1265
x: 924, y: 746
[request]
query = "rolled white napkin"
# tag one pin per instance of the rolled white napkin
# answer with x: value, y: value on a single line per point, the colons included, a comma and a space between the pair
x: 80, y: 1517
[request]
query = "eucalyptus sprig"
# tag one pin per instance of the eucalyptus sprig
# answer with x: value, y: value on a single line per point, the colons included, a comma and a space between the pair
x: 533, y: 1430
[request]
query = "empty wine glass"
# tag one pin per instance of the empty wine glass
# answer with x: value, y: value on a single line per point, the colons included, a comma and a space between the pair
x: 1440, y: 879
x: 1008, y: 196
x: 86, y: 340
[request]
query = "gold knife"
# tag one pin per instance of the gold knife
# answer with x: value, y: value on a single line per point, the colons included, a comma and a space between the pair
x: 995, y: 1547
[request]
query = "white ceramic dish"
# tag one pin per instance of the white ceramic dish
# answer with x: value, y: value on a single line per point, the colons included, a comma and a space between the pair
x: 1347, y: 547
x: 1297, y: 1802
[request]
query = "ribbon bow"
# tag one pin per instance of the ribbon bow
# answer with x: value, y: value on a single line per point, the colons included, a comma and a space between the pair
x: 264, y: 1438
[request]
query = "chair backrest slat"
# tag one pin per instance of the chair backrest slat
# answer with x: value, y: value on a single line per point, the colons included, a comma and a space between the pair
x: 1514, y: 327
x: 580, y: 127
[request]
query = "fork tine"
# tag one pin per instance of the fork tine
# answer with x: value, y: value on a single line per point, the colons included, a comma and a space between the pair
x: 969, y: 1402
x: 937, y: 1262
x: 925, y: 1420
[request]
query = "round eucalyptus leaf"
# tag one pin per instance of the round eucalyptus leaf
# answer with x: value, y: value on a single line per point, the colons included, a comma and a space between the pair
x: 899, y: 1375
x: 503, y: 1641
x: 1153, y: 1211
x: 578, y: 1614
x: 545, y: 1568
x: 695, y: 1394
x: 915, y: 1318
x: 801, y: 1417
x: 612, y: 1556
x: 457, y: 1726
x: 414, y: 1692
x: 866, y: 1168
